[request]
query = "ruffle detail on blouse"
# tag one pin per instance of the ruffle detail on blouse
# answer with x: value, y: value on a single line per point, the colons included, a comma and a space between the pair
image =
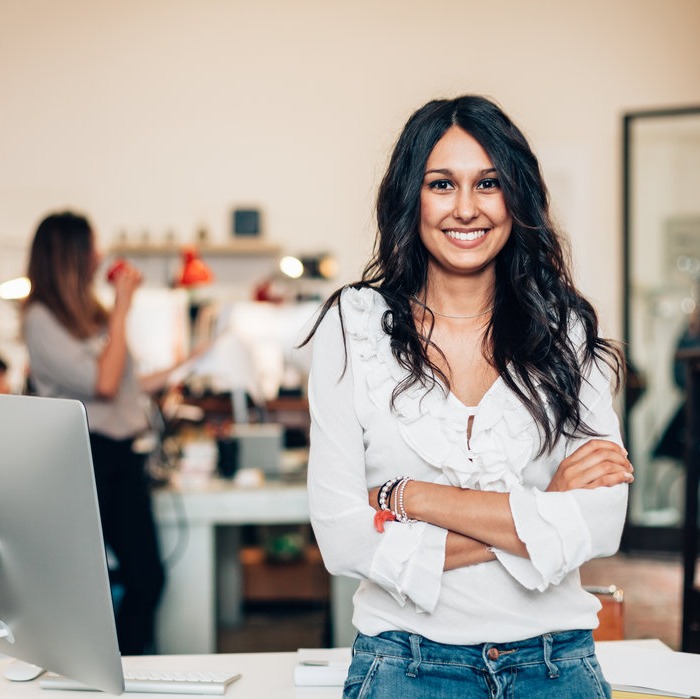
x: 434, y: 424
x: 502, y: 441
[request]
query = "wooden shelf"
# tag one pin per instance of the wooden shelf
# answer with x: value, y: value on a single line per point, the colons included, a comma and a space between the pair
x: 294, y: 410
x: 291, y: 404
x: 240, y: 247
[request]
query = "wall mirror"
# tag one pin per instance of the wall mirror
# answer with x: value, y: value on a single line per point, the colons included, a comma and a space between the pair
x: 662, y: 311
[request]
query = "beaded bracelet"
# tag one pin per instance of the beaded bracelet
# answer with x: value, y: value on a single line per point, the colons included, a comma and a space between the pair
x: 385, y: 513
x: 384, y: 496
x: 401, y: 515
x: 390, y: 495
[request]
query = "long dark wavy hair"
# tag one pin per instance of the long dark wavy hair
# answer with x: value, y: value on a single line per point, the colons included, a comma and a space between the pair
x: 61, y: 269
x: 528, y: 339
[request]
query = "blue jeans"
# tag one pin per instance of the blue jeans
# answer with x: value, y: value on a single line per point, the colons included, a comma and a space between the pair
x: 399, y: 665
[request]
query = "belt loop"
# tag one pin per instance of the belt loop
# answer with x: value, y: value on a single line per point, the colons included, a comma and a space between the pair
x: 553, y: 669
x: 412, y: 669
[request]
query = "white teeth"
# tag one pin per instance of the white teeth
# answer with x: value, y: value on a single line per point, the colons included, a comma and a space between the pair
x: 472, y: 235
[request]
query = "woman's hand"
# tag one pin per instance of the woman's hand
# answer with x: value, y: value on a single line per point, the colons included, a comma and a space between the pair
x: 595, y: 464
x: 125, y: 281
x: 113, y: 358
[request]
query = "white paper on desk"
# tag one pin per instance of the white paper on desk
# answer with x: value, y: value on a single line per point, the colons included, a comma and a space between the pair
x: 647, y: 668
x: 322, y: 667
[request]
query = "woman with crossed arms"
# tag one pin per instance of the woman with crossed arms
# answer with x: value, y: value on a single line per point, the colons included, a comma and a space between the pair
x: 465, y: 455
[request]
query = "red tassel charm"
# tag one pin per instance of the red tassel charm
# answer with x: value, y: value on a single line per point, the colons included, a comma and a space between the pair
x: 382, y: 516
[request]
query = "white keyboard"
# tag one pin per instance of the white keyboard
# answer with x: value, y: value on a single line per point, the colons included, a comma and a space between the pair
x: 158, y: 682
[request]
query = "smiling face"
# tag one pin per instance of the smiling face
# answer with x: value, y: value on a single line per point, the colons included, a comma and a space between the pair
x: 464, y: 221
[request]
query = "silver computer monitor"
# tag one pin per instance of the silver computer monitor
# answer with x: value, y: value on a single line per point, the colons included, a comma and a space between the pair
x: 55, y: 601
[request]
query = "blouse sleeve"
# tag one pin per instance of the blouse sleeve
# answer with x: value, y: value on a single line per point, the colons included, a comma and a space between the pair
x: 563, y: 530
x: 57, y: 359
x: 407, y: 560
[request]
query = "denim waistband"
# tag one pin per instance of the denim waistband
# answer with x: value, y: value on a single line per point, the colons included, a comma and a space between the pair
x: 547, y: 648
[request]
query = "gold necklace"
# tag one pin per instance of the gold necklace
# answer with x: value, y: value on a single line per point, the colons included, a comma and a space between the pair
x: 446, y: 315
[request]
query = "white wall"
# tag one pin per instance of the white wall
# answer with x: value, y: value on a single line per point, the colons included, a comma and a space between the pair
x: 165, y: 114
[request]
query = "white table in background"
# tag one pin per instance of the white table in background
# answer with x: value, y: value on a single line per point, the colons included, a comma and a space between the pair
x: 204, y: 574
x: 198, y: 524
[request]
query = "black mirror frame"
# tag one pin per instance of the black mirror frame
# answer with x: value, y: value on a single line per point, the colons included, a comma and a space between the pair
x: 639, y: 537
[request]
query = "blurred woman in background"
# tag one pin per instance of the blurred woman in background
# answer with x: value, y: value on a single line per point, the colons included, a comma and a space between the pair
x: 78, y: 349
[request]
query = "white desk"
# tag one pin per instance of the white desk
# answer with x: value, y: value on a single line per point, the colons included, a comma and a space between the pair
x: 271, y: 675
x: 202, y: 587
x: 264, y: 676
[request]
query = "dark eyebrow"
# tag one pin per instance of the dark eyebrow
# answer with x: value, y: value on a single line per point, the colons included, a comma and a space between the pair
x: 447, y: 171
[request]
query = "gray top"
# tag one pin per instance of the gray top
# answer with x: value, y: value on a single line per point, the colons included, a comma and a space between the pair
x: 63, y: 366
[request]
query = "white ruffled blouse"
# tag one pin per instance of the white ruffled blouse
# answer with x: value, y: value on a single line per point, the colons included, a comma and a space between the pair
x: 358, y: 441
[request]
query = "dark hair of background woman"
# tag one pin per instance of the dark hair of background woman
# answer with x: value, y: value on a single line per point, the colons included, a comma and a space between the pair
x: 528, y: 337
x: 61, y: 271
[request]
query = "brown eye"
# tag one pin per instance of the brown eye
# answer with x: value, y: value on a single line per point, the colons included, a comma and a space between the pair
x: 489, y: 183
x: 441, y: 185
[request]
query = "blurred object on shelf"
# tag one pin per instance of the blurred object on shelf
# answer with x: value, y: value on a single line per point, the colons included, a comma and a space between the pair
x: 298, y: 279
x: 285, y: 548
x: 194, y: 272
x: 291, y: 267
x: 258, y: 446
x: 15, y: 289
x: 270, y: 291
x: 246, y: 222
x: 228, y: 461
x: 320, y: 266
x: 199, y: 458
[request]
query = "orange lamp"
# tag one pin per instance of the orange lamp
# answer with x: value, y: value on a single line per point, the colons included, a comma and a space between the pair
x: 193, y: 272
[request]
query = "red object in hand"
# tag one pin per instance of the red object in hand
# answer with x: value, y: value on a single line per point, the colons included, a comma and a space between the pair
x: 114, y: 269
